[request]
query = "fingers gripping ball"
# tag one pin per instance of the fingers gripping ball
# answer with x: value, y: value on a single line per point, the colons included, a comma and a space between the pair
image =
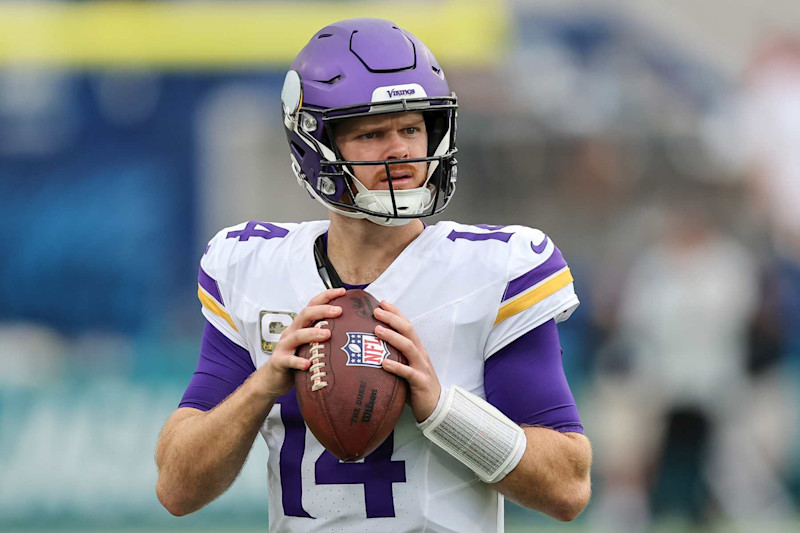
x: 348, y: 401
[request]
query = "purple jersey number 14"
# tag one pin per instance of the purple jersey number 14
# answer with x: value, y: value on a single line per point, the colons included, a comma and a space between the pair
x: 265, y: 230
x: 492, y: 235
x: 376, y: 473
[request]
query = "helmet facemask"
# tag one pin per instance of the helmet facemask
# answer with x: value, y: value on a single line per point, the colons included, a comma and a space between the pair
x: 336, y: 184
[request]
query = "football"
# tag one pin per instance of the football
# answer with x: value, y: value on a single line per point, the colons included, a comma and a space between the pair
x: 349, y: 402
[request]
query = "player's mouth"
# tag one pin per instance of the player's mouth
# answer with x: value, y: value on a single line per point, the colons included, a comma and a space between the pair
x: 401, y: 179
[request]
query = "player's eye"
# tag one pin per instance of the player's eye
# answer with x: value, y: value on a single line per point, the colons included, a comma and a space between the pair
x: 368, y: 135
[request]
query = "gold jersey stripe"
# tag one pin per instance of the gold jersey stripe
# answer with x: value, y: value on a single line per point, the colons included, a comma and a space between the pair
x: 535, y: 295
x: 226, y: 35
x: 212, y: 305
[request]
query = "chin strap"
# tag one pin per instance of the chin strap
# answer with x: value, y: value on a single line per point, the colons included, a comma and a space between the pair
x: 408, y: 201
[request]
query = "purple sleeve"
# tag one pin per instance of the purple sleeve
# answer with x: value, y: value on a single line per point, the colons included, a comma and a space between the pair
x: 223, y: 366
x: 526, y: 381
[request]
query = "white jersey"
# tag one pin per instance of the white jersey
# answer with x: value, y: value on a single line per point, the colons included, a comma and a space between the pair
x: 468, y: 291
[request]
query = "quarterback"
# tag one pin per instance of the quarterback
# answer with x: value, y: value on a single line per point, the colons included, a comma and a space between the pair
x: 371, y: 127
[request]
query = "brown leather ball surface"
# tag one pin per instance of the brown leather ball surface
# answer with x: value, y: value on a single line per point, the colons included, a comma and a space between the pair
x: 348, y: 401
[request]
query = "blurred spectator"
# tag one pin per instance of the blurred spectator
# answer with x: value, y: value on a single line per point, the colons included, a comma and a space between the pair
x: 769, y: 137
x: 770, y: 141
x: 770, y: 114
x: 676, y: 435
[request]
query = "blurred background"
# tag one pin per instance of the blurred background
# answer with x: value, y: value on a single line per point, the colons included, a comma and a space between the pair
x: 656, y: 141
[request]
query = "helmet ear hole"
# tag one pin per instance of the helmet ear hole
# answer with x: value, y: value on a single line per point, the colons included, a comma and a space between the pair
x: 436, y: 126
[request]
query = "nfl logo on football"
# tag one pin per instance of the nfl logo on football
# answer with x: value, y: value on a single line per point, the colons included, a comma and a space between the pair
x: 365, y: 349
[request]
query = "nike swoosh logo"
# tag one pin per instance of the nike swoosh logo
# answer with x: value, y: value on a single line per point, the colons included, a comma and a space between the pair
x: 540, y: 248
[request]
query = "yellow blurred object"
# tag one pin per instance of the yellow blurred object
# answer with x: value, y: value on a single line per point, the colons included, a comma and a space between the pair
x: 228, y: 35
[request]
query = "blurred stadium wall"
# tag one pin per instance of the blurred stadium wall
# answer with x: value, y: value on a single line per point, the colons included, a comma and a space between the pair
x: 130, y: 132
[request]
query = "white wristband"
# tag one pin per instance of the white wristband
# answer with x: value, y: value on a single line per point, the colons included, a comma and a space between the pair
x: 476, y: 433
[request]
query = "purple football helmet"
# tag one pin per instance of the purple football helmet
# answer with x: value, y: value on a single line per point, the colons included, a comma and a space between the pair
x: 362, y: 67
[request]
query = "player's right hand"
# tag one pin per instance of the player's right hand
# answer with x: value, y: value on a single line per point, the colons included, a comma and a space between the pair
x: 277, y: 375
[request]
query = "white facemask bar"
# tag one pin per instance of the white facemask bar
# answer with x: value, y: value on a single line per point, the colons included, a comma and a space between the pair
x: 410, y: 201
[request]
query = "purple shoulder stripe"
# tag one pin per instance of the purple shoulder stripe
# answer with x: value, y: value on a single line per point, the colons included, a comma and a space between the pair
x: 209, y: 284
x: 524, y: 282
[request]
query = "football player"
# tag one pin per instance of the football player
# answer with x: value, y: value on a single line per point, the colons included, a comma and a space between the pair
x: 371, y: 126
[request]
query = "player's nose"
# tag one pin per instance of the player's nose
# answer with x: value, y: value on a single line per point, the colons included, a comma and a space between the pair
x: 396, y: 146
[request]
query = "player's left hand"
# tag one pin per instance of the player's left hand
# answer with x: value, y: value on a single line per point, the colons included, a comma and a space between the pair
x: 424, y: 387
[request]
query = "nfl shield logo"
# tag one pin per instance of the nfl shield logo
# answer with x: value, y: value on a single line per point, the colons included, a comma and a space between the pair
x: 365, y: 349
